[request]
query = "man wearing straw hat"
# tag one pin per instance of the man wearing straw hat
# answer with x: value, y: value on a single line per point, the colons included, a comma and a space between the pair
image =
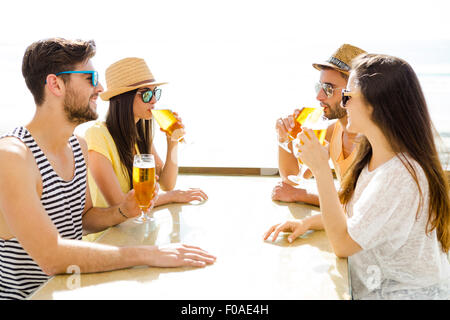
x: 334, y: 74
x: 44, y: 199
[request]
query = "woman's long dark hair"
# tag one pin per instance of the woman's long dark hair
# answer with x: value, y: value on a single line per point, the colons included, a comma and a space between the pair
x: 124, y: 131
x: 391, y: 87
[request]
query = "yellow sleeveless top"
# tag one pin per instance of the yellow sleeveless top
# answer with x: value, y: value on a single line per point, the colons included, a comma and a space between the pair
x: 100, y: 140
x: 341, y: 165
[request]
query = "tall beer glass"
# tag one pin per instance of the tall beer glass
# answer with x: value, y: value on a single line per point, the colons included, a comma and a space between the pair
x: 144, y: 183
x: 168, y: 123
x: 299, y: 121
x: 319, y: 124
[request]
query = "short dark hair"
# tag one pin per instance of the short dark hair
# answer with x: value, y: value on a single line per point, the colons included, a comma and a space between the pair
x: 52, y: 55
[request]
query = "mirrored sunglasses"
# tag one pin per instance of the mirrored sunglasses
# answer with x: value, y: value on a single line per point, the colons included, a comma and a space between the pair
x: 326, y: 87
x: 148, y: 94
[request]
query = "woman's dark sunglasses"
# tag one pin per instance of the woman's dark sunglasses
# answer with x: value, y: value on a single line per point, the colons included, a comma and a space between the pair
x: 148, y: 94
x: 346, y: 95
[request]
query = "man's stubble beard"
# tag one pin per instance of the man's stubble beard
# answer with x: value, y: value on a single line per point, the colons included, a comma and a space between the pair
x: 75, y: 112
x: 337, y: 112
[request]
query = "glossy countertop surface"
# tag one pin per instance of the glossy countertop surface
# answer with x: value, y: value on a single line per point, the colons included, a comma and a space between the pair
x: 230, y: 225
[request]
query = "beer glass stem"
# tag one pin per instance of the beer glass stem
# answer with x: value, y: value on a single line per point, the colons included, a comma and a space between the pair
x: 144, y: 217
x: 297, y: 179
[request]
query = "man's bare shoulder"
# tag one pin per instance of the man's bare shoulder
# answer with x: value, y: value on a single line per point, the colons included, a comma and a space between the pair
x: 14, y: 153
x: 12, y: 146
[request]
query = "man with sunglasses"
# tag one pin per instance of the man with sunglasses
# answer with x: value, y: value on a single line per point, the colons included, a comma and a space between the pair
x: 333, y: 79
x: 45, y: 203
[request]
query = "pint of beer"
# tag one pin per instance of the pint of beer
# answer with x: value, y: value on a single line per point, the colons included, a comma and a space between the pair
x: 144, y: 180
x: 168, y: 123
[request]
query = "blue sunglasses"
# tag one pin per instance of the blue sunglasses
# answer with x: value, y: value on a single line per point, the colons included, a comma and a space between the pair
x: 93, y: 73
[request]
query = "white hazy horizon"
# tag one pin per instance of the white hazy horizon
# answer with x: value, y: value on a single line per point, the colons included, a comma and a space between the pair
x: 233, y: 67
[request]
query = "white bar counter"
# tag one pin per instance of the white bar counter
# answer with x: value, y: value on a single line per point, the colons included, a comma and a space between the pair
x: 230, y: 225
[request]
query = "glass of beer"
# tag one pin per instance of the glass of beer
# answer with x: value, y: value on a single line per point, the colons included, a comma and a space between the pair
x: 144, y: 183
x: 313, y: 113
x: 169, y: 124
x: 319, y: 124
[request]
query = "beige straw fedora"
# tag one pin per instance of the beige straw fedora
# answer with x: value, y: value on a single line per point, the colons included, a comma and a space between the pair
x: 341, y: 59
x: 126, y: 75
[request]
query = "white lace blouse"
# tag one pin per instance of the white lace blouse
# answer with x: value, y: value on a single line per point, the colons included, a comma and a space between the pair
x: 399, y: 259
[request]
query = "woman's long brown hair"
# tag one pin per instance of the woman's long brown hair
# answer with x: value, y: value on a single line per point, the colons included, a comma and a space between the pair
x: 390, y: 86
x: 125, y: 132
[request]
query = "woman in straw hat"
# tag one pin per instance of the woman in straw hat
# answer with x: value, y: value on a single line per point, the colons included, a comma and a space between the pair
x: 391, y: 217
x: 132, y: 93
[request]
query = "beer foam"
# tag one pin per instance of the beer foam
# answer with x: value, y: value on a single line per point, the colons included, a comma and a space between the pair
x: 144, y: 165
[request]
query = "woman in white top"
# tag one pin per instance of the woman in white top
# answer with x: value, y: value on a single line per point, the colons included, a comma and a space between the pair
x: 391, y: 217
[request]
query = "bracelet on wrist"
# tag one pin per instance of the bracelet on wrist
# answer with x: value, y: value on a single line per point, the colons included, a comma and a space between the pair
x: 123, y: 215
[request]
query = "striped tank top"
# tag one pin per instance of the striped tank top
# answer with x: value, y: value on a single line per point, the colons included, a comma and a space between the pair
x: 64, y: 203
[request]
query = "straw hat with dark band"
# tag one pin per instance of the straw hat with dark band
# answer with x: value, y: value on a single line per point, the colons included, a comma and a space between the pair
x: 126, y: 75
x: 341, y: 60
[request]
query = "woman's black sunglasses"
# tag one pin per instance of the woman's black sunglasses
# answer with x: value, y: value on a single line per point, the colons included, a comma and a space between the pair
x: 346, y: 95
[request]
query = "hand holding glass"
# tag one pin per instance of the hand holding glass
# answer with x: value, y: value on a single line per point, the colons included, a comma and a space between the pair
x: 144, y: 183
x: 299, y: 121
x: 319, y: 124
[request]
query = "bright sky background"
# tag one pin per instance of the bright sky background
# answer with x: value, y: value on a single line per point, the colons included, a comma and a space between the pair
x: 234, y: 67
x: 410, y: 19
